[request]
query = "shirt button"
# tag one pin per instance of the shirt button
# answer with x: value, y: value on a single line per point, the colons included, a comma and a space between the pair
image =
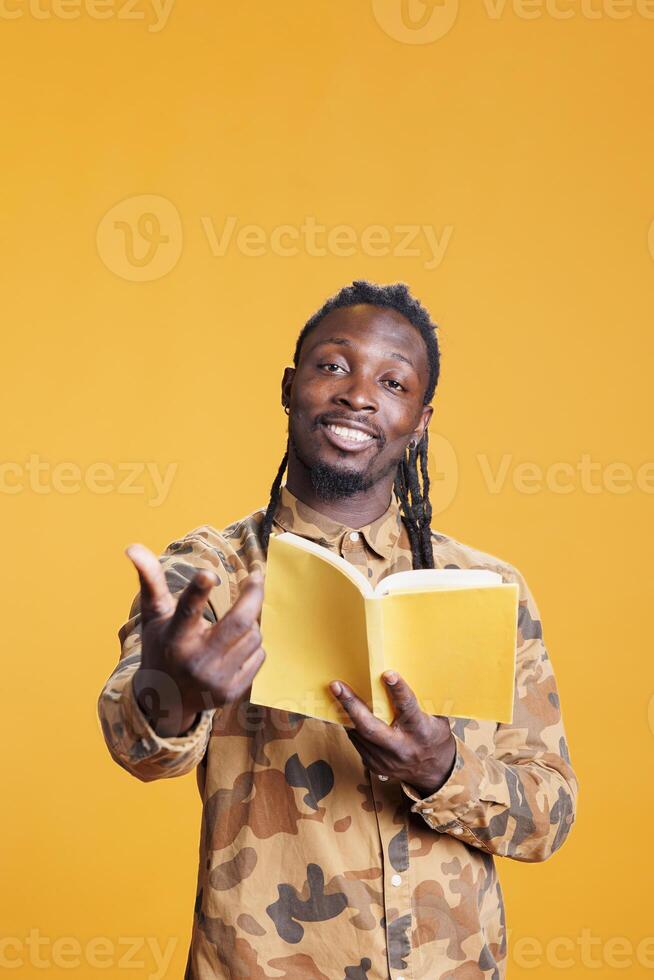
x: 397, y: 881
x: 383, y: 778
x: 354, y: 535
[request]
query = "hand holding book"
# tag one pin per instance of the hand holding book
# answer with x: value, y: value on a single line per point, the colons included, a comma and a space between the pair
x: 450, y: 632
x: 416, y: 748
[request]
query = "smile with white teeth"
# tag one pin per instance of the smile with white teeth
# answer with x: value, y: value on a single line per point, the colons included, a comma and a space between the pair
x: 345, y: 432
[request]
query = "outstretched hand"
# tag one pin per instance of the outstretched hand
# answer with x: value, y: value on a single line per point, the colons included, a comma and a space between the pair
x: 417, y: 748
x: 188, y: 664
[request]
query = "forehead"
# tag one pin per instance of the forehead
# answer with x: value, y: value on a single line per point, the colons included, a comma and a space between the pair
x: 373, y: 331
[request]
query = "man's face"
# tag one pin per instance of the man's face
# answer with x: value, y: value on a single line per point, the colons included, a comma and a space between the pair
x: 356, y: 398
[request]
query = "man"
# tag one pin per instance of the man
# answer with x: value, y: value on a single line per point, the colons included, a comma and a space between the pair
x: 330, y: 852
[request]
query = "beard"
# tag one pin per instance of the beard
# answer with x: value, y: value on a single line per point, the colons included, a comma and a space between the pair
x: 334, y: 483
x: 337, y: 482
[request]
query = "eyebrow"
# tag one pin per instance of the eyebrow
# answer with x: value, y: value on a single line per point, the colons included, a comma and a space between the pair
x: 344, y: 342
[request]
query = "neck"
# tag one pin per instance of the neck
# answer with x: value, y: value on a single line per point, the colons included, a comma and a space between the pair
x: 355, y: 511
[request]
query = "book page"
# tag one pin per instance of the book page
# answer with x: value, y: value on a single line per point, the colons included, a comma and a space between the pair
x: 419, y: 579
x: 324, y: 554
x: 455, y: 648
x: 313, y: 631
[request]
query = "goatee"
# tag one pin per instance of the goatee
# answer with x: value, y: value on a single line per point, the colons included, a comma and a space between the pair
x: 334, y: 483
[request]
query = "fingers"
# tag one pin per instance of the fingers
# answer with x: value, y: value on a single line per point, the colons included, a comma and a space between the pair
x: 192, y: 601
x: 373, y: 763
x: 231, y: 674
x: 243, y: 615
x: 245, y: 674
x: 244, y: 647
x: 404, y: 700
x: 362, y: 718
x: 156, y: 599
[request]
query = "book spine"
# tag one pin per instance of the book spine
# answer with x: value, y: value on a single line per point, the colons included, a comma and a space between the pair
x: 381, y: 704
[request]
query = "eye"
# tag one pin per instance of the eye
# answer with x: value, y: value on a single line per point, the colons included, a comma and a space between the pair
x: 396, y: 386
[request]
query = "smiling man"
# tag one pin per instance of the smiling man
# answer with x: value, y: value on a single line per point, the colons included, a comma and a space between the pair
x: 329, y: 852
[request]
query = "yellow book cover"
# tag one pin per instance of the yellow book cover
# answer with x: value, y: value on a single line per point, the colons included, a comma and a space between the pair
x: 451, y: 633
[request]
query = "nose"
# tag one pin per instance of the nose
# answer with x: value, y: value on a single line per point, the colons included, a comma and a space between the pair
x: 356, y: 393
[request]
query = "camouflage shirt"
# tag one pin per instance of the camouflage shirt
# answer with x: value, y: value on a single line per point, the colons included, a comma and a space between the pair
x: 310, y: 867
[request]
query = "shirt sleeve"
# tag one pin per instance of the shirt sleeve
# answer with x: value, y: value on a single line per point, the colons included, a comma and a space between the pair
x: 131, y: 740
x: 518, y: 800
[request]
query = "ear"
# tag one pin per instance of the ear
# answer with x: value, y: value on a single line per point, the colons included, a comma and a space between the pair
x: 287, y: 383
x: 425, y: 416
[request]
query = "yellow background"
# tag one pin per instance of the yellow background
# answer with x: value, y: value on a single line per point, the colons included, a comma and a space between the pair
x: 531, y: 139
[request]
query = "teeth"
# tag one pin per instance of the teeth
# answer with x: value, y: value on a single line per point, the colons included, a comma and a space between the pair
x: 355, y: 435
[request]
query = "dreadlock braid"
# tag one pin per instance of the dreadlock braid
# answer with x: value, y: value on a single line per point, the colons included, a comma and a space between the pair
x: 414, y: 499
x: 400, y: 487
x: 425, y: 529
x: 275, y: 493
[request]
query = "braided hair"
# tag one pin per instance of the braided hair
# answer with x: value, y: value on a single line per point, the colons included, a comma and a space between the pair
x: 414, y: 499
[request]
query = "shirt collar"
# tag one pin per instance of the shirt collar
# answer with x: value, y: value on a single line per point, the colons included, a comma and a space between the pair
x: 381, y: 535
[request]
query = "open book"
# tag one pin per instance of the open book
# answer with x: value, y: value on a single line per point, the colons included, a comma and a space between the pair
x: 451, y: 633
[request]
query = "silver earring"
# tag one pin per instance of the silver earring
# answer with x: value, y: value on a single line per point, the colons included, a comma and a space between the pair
x: 287, y: 409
